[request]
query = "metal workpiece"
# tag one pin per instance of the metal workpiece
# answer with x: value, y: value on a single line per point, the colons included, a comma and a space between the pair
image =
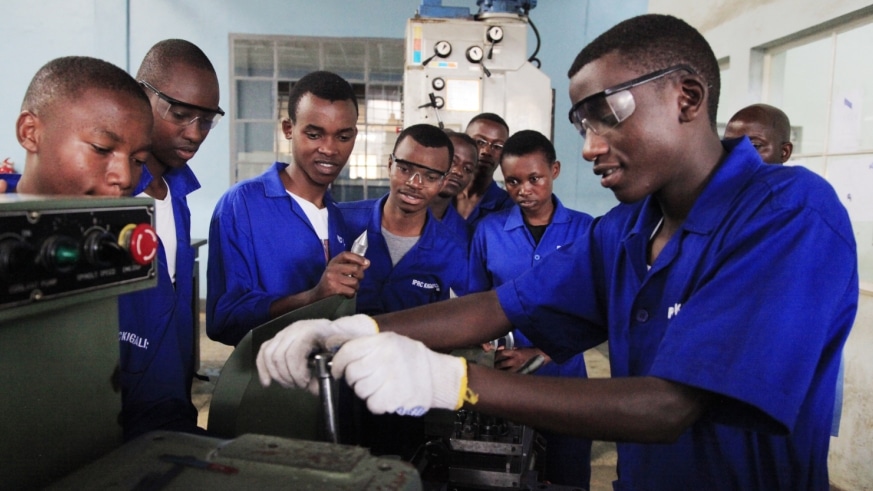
x: 321, y: 364
x: 359, y: 246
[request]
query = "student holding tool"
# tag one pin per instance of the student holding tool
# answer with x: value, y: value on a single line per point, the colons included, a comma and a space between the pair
x: 277, y: 241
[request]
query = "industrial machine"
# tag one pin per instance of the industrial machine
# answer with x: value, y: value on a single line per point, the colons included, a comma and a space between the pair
x: 458, y: 65
x: 167, y: 460
x: 63, y: 263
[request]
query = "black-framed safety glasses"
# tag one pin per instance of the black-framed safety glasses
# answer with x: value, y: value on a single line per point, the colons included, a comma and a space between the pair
x: 182, y: 113
x: 426, y: 175
x: 608, y: 108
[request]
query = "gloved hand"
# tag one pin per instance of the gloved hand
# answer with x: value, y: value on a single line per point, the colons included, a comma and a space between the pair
x: 285, y: 358
x: 396, y: 374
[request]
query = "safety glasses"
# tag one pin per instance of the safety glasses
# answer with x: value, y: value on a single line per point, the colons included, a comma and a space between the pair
x: 182, y: 113
x: 408, y: 170
x: 606, y: 109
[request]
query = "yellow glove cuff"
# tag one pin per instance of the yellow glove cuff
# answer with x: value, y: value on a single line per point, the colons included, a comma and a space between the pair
x: 466, y: 393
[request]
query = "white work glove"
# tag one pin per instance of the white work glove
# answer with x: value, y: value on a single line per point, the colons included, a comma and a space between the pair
x: 285, y: 357
x: 396, y: 374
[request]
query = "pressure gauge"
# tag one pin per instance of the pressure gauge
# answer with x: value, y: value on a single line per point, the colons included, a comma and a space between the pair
x: 474, y: 54
x: 438, y: 83
x: 442, y: 48
x: 439, y: 102
x: 495, y: 34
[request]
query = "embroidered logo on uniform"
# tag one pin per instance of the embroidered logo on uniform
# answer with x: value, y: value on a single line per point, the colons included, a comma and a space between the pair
x: 340, y: 239
x: 131, y: 338
x: 426, y: 286
x: 674, y: 310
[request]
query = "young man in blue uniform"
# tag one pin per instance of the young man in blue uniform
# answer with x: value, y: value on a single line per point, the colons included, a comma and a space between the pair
x: 85, y: 126
x: 276, y: 241
x: 483, y: 195
x: 414, y: 260
x: 156, y: 330
x: 464, y: 163
x: 726, y: 287
x: 508, y: 243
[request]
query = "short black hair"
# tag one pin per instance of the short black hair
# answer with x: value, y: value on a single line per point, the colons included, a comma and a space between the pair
x: 768, y: 116
x: 652, y: 42
x: 324, y: 85
x: 157, y: 65
x: 429, y: 136
x: 526, y: 142
x: 489, y: 117
x: 466, y: 139
x: 66, y: 78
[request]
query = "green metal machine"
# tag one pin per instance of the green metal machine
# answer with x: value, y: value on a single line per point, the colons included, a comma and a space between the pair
x: 63, y: 263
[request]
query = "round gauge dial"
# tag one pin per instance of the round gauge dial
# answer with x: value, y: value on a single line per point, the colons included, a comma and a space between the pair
x: 495, y: 34
x: 439, y: 102
x: 442, y: 48
x: 475, y: 53
x: 438, y: 83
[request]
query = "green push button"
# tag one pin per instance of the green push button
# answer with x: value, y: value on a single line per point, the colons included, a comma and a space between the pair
x: 66, y: 255
x: 61, y: 254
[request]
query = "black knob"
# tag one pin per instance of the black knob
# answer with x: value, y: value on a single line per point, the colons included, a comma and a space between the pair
x: 102, y: 249
x: 17, y: 257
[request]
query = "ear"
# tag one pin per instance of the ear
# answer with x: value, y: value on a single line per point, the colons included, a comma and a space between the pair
x: 787, y: 148
x: 28, y: 129
x: 556, y: 169
x: 693, y: 94
x: 287, y: 126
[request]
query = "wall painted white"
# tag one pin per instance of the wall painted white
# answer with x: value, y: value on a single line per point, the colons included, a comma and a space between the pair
x: 733, y: 28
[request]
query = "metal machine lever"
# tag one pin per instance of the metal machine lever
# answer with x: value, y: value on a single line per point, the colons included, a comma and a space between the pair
x: 320, y: 364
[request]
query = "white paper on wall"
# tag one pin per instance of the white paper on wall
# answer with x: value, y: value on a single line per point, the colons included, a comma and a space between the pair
x: 853, y: 181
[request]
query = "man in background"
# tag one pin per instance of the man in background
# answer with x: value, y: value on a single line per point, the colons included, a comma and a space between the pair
x: 483, y: 195
x: 768, y: 129
x: 464, y: 163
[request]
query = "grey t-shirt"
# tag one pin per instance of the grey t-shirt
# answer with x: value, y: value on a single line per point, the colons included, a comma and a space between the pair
x: 398, y: 246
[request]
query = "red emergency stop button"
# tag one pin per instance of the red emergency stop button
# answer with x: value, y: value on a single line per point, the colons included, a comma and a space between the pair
x: 141, y: 240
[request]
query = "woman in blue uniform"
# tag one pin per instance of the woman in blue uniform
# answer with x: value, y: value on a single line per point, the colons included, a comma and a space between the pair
x: 511, y: 241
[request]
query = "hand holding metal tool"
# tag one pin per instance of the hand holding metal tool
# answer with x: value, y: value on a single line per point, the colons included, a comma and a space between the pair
x: 285, y: 357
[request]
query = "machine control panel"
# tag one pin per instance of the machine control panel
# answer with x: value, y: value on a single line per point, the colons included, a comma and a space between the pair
x: 55, y: 247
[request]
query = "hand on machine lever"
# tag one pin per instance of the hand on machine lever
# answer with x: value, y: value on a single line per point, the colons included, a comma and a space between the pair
x: 393, y: 373
x: 285, y: 358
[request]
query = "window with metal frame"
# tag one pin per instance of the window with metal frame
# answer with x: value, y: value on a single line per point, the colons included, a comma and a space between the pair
x: 824, y: 83
x: 264, y: 68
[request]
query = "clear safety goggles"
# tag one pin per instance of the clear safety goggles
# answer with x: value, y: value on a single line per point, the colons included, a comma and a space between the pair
x: 182, y: 113
x: 608, y: 108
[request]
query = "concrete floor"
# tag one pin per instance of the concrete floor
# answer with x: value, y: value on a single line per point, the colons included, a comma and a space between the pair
x: 213, y: 355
